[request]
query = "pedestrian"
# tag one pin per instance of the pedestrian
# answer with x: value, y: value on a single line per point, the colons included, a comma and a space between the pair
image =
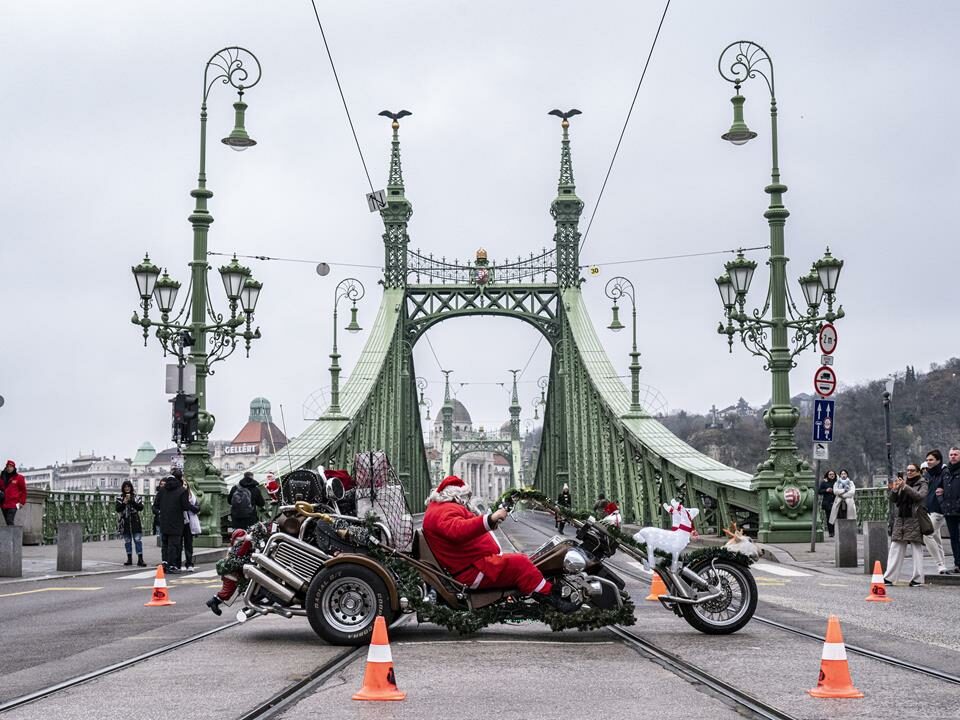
x: 934, y: 476
x: 843, y: 505
x: 13, y: 491
x: 191, y: 527
x: 909, y: 494
x: 565, y: 502
x: 601, y: 503
x: 949, y: 494
x: 129, y: 505
x: 825, y: 490
x: 171, y: 502
x: 244, y: 499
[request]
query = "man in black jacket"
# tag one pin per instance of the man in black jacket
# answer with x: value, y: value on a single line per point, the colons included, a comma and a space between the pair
x: 171, y: 502
x: 244, y: 499
x: 949, y: 494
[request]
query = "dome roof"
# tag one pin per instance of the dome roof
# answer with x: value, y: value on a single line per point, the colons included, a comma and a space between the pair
x: 260, y: 410
x: 460, y: 414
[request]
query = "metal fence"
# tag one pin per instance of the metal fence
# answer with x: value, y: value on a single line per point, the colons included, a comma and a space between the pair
x: 94, y: 510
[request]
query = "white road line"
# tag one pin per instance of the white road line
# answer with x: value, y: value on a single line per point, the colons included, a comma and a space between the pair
x: 775, y: 569
x: 202, y: 574
x: 140, y: 575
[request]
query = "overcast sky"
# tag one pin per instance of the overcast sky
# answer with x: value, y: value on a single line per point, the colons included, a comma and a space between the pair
x: 99, y: 130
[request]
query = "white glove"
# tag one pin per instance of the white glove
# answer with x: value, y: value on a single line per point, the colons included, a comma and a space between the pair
x: 18, y: 506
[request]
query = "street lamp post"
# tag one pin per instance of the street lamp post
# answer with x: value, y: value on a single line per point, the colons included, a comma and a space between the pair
x: 764, y: 332
x: 887, y: 398
x: 353, y: 290
x: 615, y: 289
x: 240, y: 69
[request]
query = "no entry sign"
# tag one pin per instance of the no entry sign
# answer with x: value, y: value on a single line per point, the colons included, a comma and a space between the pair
x: 825, y: 381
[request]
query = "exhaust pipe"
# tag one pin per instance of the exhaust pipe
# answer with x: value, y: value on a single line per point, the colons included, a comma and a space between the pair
x: 264, y: 580
x: 278, y: 570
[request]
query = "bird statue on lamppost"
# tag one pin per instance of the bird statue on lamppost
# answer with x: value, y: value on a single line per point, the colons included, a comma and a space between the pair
x: 617, y: 288
x: 353, y: 290
x: 188, y: 330
x: 778, y: 331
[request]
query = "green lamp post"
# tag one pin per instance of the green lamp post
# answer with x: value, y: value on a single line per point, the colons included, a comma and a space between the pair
x: 615, y: 289
x: 779, y: 331
x: 196, y: 320
x: 353, y: 290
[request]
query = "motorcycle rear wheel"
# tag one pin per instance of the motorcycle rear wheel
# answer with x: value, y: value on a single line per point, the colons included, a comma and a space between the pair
x: 343, y: 601
x: 733, y: 609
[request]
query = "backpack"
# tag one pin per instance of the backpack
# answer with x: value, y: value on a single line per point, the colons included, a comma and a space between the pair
x: 241, y: 504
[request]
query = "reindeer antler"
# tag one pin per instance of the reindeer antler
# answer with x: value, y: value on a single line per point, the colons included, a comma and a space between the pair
x: 732, y: 532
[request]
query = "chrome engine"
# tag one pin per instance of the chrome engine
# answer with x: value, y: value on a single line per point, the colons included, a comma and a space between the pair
x: 283, y: 570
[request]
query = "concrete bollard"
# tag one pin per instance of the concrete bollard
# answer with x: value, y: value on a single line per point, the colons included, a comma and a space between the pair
x: 11, y: 551
x: 69, y: 547
x: 875, y: 545
x: 846, y: 546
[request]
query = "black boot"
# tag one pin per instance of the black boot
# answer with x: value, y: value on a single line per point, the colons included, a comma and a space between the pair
x: 214, y: 604
x: 129, y: 559
x: 140, y: 562
x: 557, y: 603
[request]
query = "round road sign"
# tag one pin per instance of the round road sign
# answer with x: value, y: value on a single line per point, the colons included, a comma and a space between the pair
x: 828, y: 339
x: 825, y: 381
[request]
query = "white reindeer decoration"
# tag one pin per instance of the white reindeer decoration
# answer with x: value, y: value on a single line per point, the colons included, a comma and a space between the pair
x: 740, y: 543
x: 672, y: 541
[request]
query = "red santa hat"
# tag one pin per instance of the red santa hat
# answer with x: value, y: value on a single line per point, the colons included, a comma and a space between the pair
x: 448, y: 481
x: 611, y: 507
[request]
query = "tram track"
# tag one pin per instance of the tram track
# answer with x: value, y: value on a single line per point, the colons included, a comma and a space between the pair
x: 854, y: 649
x: 59, y: 687
x: 743, y: 701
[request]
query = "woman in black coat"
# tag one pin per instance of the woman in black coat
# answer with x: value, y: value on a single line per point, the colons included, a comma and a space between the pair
x: 171, y: 503
x: 129, y: 506
x: 825, y: 491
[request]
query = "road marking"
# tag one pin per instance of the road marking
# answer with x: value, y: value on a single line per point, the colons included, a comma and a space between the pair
x: 51, y: 589
x: 832, y: 585
x: 139, y: 575
x: 204, y: 574
x: 637, y: 565
x: 775, y: 569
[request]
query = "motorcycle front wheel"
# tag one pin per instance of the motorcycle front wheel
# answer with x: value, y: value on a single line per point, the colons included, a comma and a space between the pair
x: 343, y: 601
x: 732, y: 610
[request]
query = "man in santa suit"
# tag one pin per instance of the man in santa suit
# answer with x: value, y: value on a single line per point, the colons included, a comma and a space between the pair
x: 464, y: 544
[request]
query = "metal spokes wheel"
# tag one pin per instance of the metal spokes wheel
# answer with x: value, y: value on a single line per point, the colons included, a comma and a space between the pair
x: 349, y: 604
x: 734, y: 608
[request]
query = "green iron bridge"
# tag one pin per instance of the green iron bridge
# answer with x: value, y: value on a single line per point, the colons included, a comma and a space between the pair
x: 591, y: 439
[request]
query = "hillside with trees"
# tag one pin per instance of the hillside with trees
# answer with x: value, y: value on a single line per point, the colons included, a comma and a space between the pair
x: 924, y: 414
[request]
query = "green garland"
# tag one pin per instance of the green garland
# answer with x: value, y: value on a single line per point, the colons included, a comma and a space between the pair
x: 687, y: 557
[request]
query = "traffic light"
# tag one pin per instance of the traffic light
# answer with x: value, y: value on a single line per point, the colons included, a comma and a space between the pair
x: 191, y: 418
x: 186, y: 418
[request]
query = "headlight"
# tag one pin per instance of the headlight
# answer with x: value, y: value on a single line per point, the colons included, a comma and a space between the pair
x: 574, y: 561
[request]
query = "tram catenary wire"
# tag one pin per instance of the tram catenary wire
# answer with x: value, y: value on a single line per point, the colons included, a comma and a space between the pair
x: 855, y: 649
x: 680, y: 667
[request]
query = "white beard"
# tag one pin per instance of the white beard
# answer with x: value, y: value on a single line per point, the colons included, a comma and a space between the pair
x: 455, y: 493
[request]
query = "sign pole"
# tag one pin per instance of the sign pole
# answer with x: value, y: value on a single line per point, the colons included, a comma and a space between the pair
x: 813, y: 509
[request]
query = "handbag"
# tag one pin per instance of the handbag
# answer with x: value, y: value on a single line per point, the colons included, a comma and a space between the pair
x: 923, y: 519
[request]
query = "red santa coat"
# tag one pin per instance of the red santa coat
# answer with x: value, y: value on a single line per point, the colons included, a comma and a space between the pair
x: 465, y: 546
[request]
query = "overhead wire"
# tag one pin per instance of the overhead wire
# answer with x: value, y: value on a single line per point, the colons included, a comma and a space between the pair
x: 342, y: 97
x: 625, y: 123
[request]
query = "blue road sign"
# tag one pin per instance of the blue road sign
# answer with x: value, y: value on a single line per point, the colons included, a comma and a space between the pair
x: 824, y: 420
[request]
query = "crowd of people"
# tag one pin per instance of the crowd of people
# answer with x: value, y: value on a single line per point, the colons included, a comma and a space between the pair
x: 176, y: 511
x: 923, y: 498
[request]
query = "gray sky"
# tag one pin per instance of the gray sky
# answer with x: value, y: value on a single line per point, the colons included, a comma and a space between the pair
x: 100, y: 149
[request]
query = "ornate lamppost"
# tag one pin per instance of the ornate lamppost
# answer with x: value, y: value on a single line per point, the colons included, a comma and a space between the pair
x: 353, y: 290
x: 615, y: 289
x: 197, y: 319
x: 764, y: 332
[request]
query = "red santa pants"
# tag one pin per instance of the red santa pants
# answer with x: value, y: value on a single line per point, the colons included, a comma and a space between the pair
x: 511, y: 570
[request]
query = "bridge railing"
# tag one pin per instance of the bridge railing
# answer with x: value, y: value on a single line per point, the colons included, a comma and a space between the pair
x: 96, y: 511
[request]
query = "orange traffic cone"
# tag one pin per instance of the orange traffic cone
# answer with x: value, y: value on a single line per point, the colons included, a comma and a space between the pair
x: 657, y: 588
x: 878, y: 591
x: 379, y: 682
x: 160, y: 595
x: 834, y: 680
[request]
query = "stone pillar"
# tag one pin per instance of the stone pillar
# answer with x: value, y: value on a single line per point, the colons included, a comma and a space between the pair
x: 30, y: 516
x: 846, y: 543
x: 69, y: 547
x: 875, y: 545
x: 11, y: 551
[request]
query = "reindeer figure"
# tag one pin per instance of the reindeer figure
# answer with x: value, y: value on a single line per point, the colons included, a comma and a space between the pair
x: 740, y: 543
x: 675, y: 539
